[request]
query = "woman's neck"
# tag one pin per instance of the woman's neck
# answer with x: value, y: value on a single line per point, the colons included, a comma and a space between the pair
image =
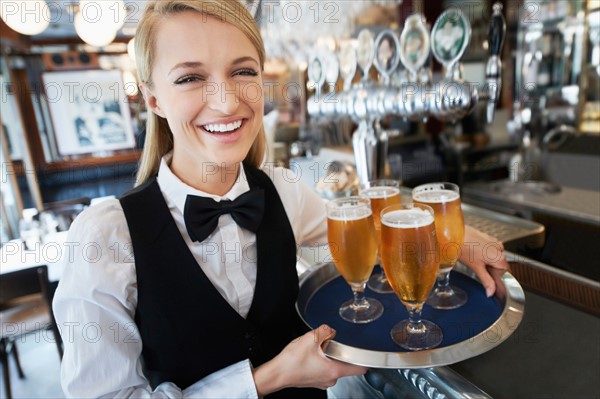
x: 210, y: 178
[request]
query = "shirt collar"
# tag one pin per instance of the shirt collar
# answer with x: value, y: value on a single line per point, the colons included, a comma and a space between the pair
x: 176, y: 191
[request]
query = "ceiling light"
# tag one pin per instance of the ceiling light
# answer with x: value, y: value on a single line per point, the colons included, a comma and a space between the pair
x: 28, y: 17
x: 97, y: 22
x: 104, y: 14
x: 88, y: 32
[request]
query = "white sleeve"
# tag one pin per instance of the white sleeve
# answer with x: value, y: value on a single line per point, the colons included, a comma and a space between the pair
x: 94, y: 307
x: 303, y: 206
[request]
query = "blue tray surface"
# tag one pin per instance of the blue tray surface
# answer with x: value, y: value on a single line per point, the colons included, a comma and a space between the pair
x: 458, y: 325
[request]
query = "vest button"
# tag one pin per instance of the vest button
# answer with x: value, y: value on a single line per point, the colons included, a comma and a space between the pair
x: 249, y: 335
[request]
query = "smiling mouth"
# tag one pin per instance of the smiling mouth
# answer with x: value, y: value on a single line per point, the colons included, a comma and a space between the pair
x: 222, y: 128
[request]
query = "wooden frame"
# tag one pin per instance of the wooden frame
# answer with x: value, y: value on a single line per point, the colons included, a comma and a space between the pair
x: 89, y: 111
x: 9, y: 115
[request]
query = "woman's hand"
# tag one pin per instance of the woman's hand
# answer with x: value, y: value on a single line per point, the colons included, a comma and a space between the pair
x: 303, y: 364
x: 485, y: 256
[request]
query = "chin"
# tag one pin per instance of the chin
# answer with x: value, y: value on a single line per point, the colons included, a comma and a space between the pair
x: 228, y: 160
x: 232, y: 156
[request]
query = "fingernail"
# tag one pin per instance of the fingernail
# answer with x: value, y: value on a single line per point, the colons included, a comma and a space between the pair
x: 489, y: 291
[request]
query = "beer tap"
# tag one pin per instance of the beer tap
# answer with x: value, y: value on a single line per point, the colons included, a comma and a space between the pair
x: 348, y: 65
x: 449, y: 38
x: 316, y: 74
x: 331, y: 73
x: 364, y: 141
x: 418, y: 97
x: 493, y: 71
x: 387, y: 59
x: 414, y: 51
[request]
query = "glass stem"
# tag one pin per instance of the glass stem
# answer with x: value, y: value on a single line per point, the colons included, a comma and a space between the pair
x: 359, y: 299
x: 382, y: 275
x: 443, y: 283
x: 414, y: 319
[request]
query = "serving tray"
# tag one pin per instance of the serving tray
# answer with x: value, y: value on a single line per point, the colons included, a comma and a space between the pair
x: 480, y: 325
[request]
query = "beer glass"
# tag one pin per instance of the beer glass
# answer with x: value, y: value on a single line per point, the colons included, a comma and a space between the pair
x: 353, y: 246
x: 382, y: 193
x: 410, y: 259
x: 444, y: 198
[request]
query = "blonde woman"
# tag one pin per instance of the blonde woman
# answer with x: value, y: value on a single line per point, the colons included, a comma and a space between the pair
x: 174, y: 302
x: 185, y: 286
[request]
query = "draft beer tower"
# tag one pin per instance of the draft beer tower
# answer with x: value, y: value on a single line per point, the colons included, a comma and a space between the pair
x: 412, y: 96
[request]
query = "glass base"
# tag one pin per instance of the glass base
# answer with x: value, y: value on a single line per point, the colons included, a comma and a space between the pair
x: 425, y: 335
x: 449, y: 298
x: 380, y: 284
x: 369, y: 310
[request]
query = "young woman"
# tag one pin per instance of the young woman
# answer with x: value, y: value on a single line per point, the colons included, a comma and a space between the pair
x: 150, y: 305
x: 185, y: 287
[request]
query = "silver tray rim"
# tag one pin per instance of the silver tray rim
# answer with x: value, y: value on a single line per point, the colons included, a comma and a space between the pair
x: 508, y: 321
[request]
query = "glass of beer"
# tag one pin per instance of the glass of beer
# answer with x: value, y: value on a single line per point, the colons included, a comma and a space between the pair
x: 411, y: 262
x: 382, y: 193
x: 444, y: 198
x: 353, y: 247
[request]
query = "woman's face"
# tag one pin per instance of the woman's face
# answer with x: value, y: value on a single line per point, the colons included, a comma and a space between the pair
x: 207, y: 83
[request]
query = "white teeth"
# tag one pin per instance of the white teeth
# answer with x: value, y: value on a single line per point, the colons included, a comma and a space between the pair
x: 220, y: 127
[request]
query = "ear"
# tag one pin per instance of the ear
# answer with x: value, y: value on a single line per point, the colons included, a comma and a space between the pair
x: 151, y: 100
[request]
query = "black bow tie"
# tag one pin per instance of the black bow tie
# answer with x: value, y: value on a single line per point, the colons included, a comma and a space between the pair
x: 201, y: 214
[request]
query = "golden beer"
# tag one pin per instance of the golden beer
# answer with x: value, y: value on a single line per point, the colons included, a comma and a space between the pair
x: 409, y: 253
x: 353, y: 244
x: 449, y: 223
x: 381, y: 197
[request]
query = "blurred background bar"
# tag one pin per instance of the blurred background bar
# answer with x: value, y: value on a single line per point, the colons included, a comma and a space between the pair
x: 501, y: 98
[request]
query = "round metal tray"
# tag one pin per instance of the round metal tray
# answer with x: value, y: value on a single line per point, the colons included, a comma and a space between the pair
x: 359, y: 343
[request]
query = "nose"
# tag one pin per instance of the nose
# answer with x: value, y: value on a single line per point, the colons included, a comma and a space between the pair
x: 222, y: 96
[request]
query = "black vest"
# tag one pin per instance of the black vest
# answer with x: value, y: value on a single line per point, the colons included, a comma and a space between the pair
x: 188, y: 329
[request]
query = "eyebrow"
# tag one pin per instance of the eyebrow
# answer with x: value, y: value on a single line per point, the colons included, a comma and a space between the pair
x: 196, y: 64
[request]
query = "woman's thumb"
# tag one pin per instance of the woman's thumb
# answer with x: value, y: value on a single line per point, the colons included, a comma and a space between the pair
x: 324, y: 333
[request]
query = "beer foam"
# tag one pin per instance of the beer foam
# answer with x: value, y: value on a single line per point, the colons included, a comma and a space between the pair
x: 436, y: 196
x: 349, y: 213
x: 407, y: 218
x: 381, y: 192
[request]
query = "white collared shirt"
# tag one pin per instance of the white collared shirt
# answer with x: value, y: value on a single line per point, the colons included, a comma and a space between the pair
x: 96, y: 299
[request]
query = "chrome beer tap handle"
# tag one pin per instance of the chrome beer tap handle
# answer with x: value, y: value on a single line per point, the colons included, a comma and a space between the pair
x: 364, y: 144
x: 316, y: 74
x: 348, y: 65
x: 364, y: 140
x: 450, y: 37
x: 332, y: 71
x: 365, y: 52
x: 493, y: 71
x: 415, y: 45
x: 387, y: 54
x: 387, y: 59
x: 449, y: 40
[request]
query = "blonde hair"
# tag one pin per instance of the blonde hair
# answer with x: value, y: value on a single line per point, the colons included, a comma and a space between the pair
x: 159, y: 138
